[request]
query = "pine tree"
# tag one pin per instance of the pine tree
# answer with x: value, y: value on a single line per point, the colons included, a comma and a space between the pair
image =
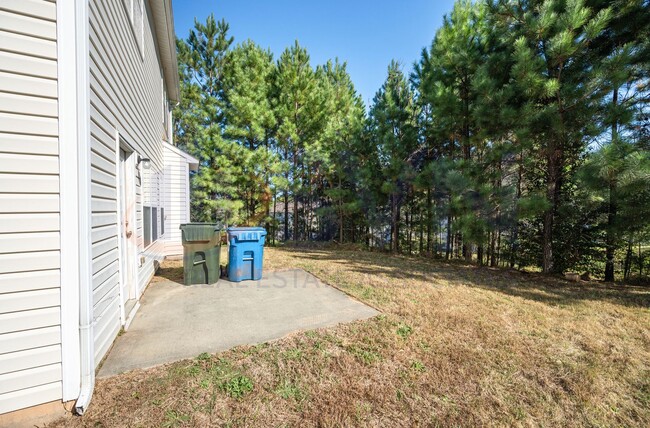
x: 624, y: 51
x: 393, y: 123
x: 345, y: 117
x: 561, y: 88
x: 200, y: 121
x: 445, y: 78
x: 296, y: 106
x: 250, y: 122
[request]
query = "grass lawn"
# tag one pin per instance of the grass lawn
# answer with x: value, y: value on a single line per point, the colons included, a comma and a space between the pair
x: 455, y: 345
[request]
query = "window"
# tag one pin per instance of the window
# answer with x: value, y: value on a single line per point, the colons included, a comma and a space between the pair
x: 154, y: 223
x: 162, y: 221
x: 147, y: 226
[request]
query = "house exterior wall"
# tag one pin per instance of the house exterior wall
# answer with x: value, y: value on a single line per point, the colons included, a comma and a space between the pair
x: 30, y: 288
x: 176, y: 200
x: 126, y: 93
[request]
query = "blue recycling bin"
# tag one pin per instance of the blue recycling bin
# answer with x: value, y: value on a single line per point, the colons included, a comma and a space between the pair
x: 245, y: 253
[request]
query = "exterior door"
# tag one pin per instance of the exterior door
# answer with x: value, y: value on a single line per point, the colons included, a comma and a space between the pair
x: 128, y: 243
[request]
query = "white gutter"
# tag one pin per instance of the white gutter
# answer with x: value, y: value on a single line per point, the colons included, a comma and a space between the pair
x: 86, y: 336
x: 166, y: 44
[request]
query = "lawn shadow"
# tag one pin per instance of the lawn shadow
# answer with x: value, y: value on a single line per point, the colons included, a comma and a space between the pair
x: 532, y: 286
x: 170, y: 271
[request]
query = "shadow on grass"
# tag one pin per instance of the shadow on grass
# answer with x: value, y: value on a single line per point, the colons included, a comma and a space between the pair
x: 532, y: 286
x: 170, y: 272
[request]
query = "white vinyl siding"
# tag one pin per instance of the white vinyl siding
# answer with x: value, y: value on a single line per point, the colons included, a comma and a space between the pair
x: 30, y: 333
x: 177, y: 200
x: 124, y: 99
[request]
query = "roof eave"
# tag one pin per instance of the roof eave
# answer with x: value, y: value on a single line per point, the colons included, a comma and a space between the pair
x: 164, y: 26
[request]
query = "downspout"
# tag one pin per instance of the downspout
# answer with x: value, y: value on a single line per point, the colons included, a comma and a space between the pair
x: 86, y: 336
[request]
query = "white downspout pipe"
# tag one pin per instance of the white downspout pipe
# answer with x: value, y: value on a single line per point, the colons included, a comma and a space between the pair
x: 86, y: 336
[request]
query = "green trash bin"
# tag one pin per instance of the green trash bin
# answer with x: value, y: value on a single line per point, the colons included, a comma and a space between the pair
x: 201, y: 252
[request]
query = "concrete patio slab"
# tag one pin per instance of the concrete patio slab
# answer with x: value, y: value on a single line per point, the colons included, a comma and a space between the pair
x: 177, y: 321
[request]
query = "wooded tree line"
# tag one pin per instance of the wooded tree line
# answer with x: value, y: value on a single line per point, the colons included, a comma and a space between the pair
x: 521, y: 139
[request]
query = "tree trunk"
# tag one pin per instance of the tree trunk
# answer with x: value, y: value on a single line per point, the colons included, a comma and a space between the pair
x: 547, y: 248
x: 627, y: 266
x: 286, y: 202
x: 274, y: 222
x: 421, y: 243
x: 515, y: 232
x: 429, y: 218
x: 640, y: 261
x: 498, y: 248
x: 409, y: 227
x: 610, y: 239
x: 493, y: 245
x: 295, y: 196
x: 341, y: 237
x: 450, y: 249
x: 553, y: 184
x: 395, y: 224
x: 286, y: 215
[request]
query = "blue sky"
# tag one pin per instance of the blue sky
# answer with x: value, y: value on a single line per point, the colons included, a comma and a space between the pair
x: 366, y: 34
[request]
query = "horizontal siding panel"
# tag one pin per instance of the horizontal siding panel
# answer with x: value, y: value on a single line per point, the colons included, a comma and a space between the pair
x: 103, y: 219
x: 103, y: 275
x: 106, y: 329
x: 36, y: 8
x: 30, y: 397
x: 104, y: 246
x: 104, y: 260
x: 26, y: 45
x: 110, y: 297
x: 105, y: 205
x: 28, y: 85
x: 173, y: 249
x: 37, y: 357
x: 17, y: 203
x: 102, y: 191
x: 101, y: 128
x: 26, y: 281
x: 33, y: 125
x: 28, y: 378
x: 27, y: 300
x: 27, y: 320
x: 28, y: 104
x: 28, y: 339
x: 29, y: 164
x: 29, y: 242
x: 23, y: 262
x: 27, y: 65
x: 105, y: 164
x: 107, y: 288
x: 24, y: 183
x: 27, y: 25
x: 48, y: 222
x: 28, y: 144
x: 103, y: 149
x: 104, y: 232
x: 102, y: 177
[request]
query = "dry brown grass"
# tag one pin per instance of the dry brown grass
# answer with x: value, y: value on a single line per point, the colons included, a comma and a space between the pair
x: 456, y: 345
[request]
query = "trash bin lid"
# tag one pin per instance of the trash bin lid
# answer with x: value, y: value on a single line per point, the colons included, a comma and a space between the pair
x: 199, y: 232
x: 246, y: 233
